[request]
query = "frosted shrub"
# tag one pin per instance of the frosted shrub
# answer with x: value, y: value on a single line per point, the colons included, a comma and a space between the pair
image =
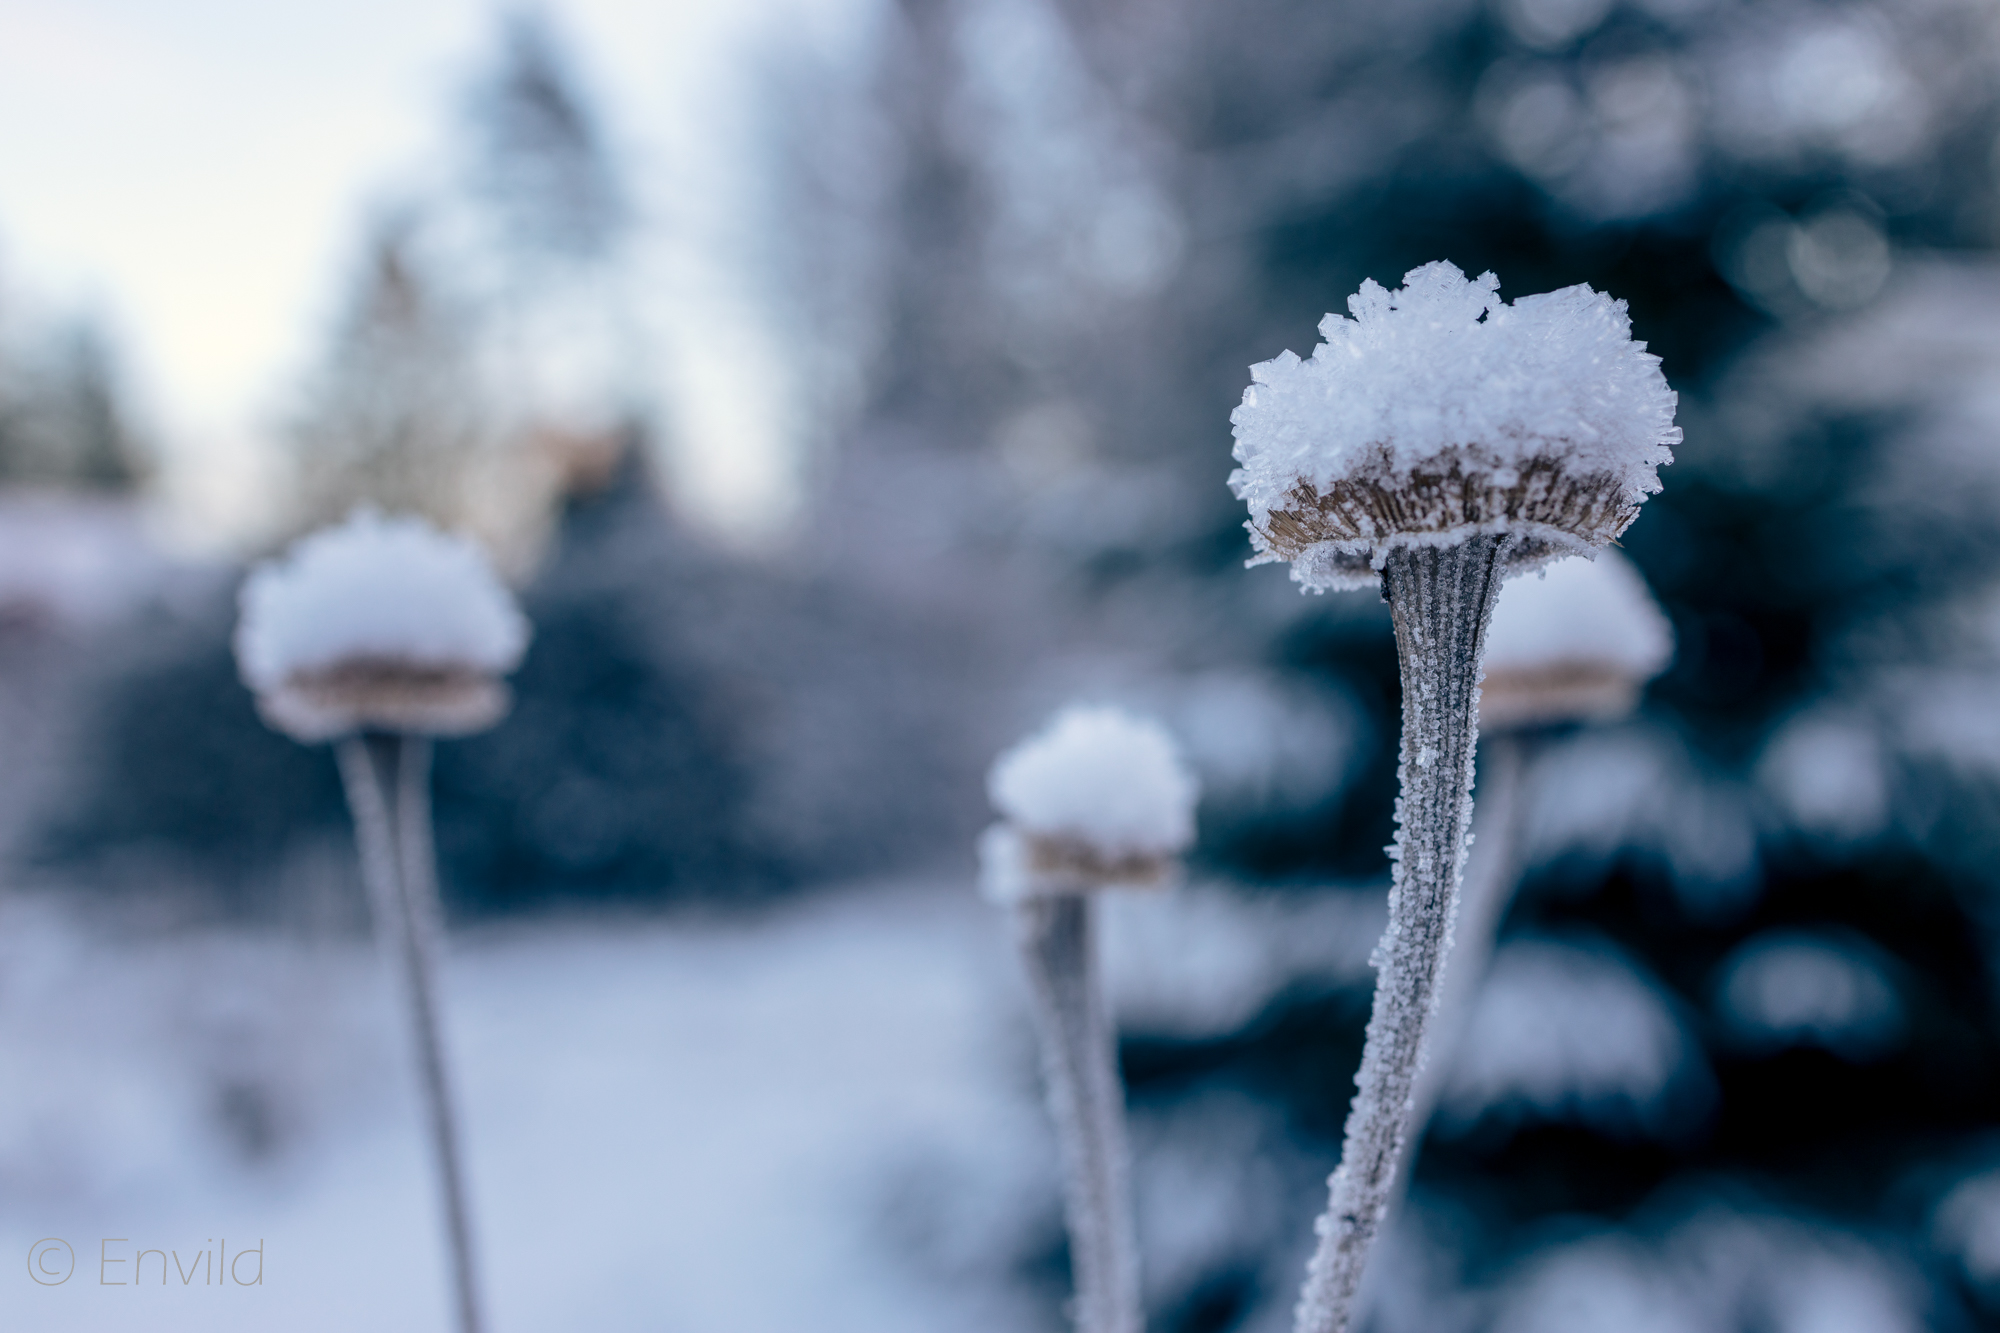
x: 1435, y: 443
x: 379, y: 634
x: 1099, y: 799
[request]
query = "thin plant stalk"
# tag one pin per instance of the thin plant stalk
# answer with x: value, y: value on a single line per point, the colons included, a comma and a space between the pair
x: 399, y: 867
x: 1491, y: 870
x: 1441, y: 599
x: 1079, y: 1064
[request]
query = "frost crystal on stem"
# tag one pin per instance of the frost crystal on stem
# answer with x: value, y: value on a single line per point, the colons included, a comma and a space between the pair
x: 1441, y: 598
x: 1098, y: 799
x: 1438, y: 441
x: 1080, y: 1067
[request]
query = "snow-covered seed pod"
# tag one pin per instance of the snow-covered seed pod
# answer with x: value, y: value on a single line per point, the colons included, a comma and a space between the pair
x: 379, y: 624
x: 379, y: 634
x: 1439, y: 441
x: 1577, y: 644
x: 1099, y: 799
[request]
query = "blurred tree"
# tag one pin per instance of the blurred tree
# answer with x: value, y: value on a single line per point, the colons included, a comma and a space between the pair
x: 392, y: 417
x: 539, y: 163
x: 63, y: 417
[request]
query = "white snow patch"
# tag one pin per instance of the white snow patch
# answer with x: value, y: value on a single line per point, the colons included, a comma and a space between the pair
x: 377, y: 587
x: 1827, y: 770
x: 1966, y: 1225
x: 1799, y: 988
x: 1565, y: 1031
x: 1101, y: 776
x: 1595, y: 1285
x: 1207, y: 959
x: 1613, y: 789
x: 701, y: 1127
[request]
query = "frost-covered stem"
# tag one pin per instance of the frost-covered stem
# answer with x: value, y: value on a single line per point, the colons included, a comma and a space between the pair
x: 399, y: 868
x: 1491, y: 871
x: 1441, y: 599
x: 1079, y: 1065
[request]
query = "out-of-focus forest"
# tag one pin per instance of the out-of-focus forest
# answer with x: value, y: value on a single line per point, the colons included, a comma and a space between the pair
x: 1738, y: 1061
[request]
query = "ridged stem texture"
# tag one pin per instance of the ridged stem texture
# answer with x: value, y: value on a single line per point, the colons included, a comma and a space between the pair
x: 1491, y: 870
x: 399, y: 868
x: 1079, y: 1065
x: 1441, y: 598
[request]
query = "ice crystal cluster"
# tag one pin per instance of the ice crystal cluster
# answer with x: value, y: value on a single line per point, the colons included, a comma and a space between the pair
x: 1576, y: 644
x: 378, y: 623
x: 1439, y: 411
x: 1098, y: 797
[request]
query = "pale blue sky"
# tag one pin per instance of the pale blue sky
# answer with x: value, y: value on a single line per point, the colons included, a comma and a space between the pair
x: 197, y: 171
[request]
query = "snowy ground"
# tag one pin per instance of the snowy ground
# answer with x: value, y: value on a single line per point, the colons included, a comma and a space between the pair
x: 824, y: 1117
x: 673, y: 1126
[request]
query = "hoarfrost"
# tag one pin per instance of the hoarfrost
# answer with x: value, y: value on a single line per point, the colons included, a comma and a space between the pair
x: 376, y: 587
x: 1100, y: 776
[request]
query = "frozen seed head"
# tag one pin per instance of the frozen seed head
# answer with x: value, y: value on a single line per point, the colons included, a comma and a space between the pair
x: 1439, y: 411
x: 378, y: 624
x: 1097, y: 797
x: 1575, y: 645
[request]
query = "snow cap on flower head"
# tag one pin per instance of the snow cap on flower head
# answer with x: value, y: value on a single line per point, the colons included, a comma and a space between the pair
x: 380, y: 624
x: 1439, y: 411
x: 1097, y: 797
x: 1575, y: 645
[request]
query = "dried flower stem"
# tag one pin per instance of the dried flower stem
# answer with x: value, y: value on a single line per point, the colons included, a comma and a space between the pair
x: 1441, y: 598
x: 1079, y: 1065
x: 399, y: 868
x: 1491, y: 869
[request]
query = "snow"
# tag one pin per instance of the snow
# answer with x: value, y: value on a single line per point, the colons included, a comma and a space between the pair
x: 76, y: 559
x: 1442, y: 373
x: 1575, y: 643
x: 1718, y: 1269
x: 1100, y: 776
x: 1966, y: 1226
x: 817, y: 1119
x: 1601, y: 1283
x: 1639, y: 789
x: 1799, y: 988
x: 1203, y: 962
x: 376, y: 588
x: 1572, y: 1031
x: 1826, y: 769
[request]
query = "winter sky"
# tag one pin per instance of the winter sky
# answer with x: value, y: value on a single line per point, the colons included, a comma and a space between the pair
x: 197, y: 173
